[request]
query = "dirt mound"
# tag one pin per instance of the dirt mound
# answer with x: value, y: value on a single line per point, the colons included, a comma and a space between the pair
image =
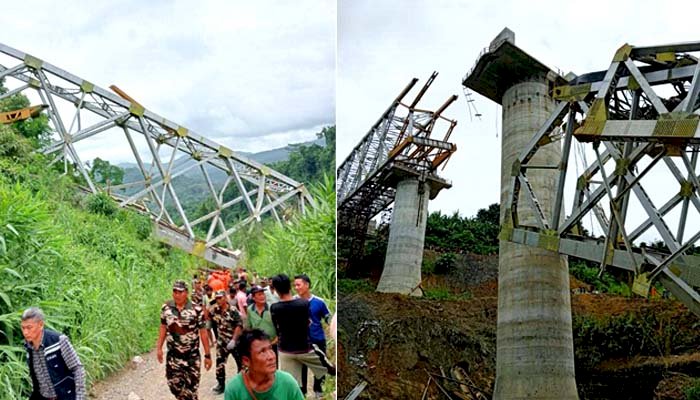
x: 392, y: 342
x: 625, y: 348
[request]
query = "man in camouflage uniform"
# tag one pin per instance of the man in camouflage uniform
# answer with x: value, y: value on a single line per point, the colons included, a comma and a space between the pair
x: 229, y: 326
x: 183, y: 324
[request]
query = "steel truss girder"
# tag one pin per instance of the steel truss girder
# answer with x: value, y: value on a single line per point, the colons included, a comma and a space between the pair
x: 628, y: 131
x: 400, y: 138
x: 262, y: 189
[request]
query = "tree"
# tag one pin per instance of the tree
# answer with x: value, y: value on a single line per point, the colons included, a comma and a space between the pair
x: 105, y: 173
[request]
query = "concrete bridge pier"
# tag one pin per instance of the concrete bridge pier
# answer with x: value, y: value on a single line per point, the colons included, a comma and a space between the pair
x: 535, y: 351
x: 404, y: 254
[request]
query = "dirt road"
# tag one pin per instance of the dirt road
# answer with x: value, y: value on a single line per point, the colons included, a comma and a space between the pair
x: 147, y: 381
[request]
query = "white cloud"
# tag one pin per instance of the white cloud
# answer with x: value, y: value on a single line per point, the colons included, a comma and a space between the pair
x: 228, y: 70
x: 382, y: 45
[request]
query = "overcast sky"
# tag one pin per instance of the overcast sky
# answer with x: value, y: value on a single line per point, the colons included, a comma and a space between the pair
x: 252, y: 75
x: 382, y: 45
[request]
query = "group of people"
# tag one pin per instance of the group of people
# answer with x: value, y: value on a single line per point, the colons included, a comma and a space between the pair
x: 273, y: 336
x: 262, y: 326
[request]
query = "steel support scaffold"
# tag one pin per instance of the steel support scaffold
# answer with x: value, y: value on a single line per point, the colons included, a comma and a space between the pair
x: 398, y: 144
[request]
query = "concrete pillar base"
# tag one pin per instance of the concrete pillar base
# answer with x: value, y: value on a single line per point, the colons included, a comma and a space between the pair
x: 404, y: 254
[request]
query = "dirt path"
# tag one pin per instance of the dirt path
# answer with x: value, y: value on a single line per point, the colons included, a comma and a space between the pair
x: 147, y: 381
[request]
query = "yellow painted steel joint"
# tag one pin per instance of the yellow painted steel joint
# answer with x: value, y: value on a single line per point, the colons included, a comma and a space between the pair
x: 571, y: 93
x: 136, y: 109
x: 506, y: 233
x: 181, y: 131
x: 595, y: 120
x: 549, y: 240
x: 622, y: 166
x: 632, y: 83
x: 623, y: 53
x: 515, y: 168
x: 33, y: 62
x: 686, y: 189
x: 641, y: 284
x: 225, y: 152
x: 676, y: 125
x: 34, y: 83
x: 668, y: 56
x: 199, y: 248
x: 87, y: 87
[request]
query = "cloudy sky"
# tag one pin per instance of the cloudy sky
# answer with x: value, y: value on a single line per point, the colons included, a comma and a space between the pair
x: 382, y: 45
x: 252, y: 75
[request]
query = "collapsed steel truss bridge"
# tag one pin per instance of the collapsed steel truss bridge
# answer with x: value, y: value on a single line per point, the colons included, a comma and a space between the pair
x: 641, y: 118
x: 81, y: 112
x: 398, y: 143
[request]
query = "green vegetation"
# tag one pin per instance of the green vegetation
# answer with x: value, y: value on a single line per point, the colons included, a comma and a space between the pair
x: 478, y: 235
x: 309, y: 164
x: 607, y: 283
x: 305, y: 244
x: 693, y: 392
x: 347, y: 286
x: 94, y: 269
x: 653, y: 332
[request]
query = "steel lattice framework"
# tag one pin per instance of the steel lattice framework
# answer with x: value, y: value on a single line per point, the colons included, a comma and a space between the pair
x: 641, y: 117
x: 80, y: 111
x: 400, y: 140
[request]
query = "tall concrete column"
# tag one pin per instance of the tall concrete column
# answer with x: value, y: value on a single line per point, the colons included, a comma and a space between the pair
x: 404, y: 253
x: 534, y: 349
x: 535, y: 352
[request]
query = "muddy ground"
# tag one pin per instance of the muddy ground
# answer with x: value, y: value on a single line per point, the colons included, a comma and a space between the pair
x: 625, y: 348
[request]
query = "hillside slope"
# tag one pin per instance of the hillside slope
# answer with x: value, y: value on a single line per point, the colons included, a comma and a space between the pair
x: 95, y: 270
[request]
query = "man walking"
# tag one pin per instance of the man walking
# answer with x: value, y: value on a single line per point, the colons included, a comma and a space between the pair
x: 260, y: 380
x: 318, y: 312
x: 229, y: 327
x: 291, y: 319
x: 54, y: 366
x: 183, y: 324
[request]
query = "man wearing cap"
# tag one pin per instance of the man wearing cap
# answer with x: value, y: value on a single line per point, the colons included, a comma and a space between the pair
x: 229, y: 327
x: 182, y: 323
x: 259, y: 316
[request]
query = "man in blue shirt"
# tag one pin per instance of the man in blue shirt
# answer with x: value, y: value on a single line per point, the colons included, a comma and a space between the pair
x: 318, y: 311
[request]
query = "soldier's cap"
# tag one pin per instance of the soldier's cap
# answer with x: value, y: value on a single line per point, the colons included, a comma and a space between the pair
x: 220, y: 293
x: 256, y: 289
x: 180, y: 285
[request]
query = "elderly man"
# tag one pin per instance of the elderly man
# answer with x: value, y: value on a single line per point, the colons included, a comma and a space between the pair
x: 260, y: 380
x: 54, y: 366
x: 183, y: 324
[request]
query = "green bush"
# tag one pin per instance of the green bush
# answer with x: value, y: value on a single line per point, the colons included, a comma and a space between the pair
x: 693, y: 392
x: 305, y: 244
x: 96, y: 279
x: 347, y: 286
x: 446, y: 263
x: 607, y: 283
x: 101, y: 203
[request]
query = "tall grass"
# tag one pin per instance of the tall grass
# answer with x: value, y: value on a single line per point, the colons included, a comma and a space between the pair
x: 305, y: 244
x: 99, y: 278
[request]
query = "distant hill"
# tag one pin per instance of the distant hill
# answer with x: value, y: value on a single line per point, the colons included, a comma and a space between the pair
x: 192, y: 188
x: 264, y: 157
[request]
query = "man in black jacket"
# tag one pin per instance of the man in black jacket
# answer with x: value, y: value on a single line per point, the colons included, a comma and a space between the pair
x: 54, y: 366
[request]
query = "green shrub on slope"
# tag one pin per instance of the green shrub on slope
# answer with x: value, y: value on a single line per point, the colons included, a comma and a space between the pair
x: 98, y: 277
